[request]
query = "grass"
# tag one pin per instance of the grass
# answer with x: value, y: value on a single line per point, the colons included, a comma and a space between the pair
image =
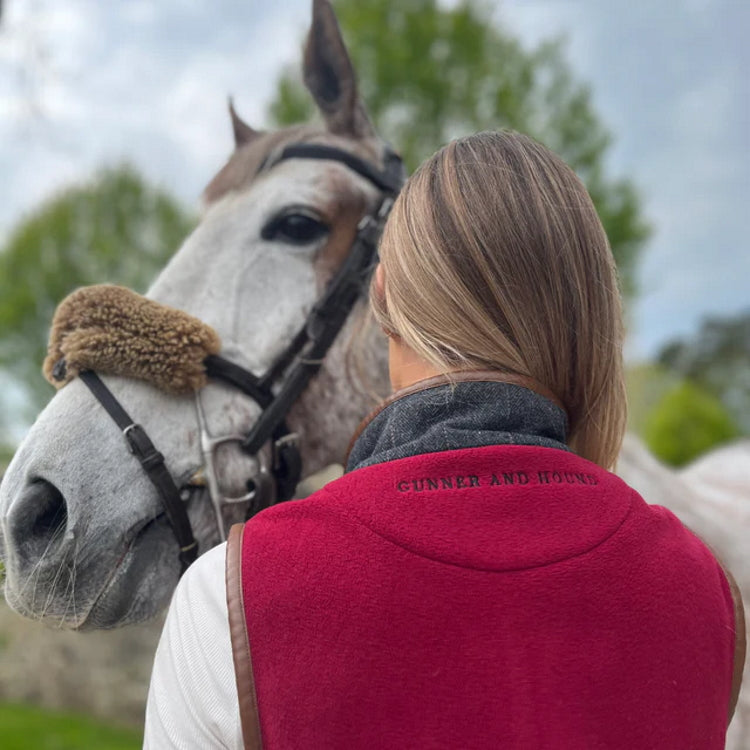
x: 23, y: 727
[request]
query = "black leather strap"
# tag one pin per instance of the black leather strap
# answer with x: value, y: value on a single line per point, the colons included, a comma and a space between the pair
x: 389, y: 180
x: 326, y: 319
x: 287, y: 470
x: 305, y: 353
x: 152, y: 462
x: 222, y: 369
x: 287, y: 462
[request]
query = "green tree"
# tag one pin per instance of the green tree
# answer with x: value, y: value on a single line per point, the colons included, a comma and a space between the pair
x: 718, y: 358
x: 687, y: 422
x: 115, y: 229
x: 647, y: 384
x: 429, y: 73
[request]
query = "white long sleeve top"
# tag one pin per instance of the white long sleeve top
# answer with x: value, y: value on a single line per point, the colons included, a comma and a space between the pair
x: 192, y: 700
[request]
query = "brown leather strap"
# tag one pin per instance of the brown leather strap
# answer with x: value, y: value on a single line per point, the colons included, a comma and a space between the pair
x: 740, y: 642
x: 243, y: 665
x: 466, y: 376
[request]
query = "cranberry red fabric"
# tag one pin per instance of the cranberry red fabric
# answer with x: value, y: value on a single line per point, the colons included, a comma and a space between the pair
x: 499, y: 597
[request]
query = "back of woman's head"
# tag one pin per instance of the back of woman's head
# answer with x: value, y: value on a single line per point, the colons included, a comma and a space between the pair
x: 494, y: 258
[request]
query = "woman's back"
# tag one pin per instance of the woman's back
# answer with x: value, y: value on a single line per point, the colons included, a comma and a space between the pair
x: 508, y: 595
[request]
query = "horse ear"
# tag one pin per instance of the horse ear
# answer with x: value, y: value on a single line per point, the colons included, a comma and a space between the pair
x: 329, y: 75
x: 243, y: 133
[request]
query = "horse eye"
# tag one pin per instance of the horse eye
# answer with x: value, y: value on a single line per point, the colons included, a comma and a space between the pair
x: 298, y: 228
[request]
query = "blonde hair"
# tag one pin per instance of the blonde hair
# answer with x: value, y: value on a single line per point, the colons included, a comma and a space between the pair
x: 494, y: 258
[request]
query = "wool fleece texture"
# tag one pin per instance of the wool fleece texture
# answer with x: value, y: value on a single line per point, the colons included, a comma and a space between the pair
x: 500, y: 596
x: 115, y: 331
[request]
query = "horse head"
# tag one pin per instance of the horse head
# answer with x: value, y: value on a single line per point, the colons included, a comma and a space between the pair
x: 85, y: 539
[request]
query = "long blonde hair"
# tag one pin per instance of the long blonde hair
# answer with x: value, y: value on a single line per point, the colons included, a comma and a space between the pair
x: 494, y: 258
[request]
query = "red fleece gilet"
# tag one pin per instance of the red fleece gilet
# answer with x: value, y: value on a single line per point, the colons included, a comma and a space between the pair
x: 500, y: 597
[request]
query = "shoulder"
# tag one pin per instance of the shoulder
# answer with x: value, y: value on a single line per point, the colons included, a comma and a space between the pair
x: 198, y: 584
x: 196, y: 624
x: 317, y: 511
x: 192, y: 696
x: 199, y: 603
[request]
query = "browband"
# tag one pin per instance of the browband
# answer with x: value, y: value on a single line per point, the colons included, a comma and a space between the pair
x: 389, y: 180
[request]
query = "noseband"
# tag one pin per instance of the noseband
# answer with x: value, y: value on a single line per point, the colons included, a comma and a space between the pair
x: 276, y: 390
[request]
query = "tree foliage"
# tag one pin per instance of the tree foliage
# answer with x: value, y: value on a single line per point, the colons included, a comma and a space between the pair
x: 429, y: 73
x: 686, y: 423
x: 718, y: 358
x: 116, y: 229
x: 646, y: 384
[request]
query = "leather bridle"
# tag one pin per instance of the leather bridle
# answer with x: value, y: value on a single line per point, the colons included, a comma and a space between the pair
x: 276, y: 390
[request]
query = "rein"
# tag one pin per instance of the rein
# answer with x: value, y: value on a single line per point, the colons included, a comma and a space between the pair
x: 288, y: 375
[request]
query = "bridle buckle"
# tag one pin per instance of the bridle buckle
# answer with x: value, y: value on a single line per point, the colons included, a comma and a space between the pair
x: 290, y: 439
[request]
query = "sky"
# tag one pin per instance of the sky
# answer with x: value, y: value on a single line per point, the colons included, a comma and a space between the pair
x: 84, y: 83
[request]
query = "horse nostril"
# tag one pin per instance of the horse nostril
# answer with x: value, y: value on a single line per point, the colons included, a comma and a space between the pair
x: 39, y: 520
x: 52, y: 512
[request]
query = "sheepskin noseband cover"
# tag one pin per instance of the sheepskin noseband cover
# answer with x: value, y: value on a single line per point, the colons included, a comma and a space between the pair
x: 115, y: 331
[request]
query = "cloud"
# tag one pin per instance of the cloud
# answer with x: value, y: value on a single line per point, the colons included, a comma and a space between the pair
x: 668, y: 79
x: 139, y: 81
x: 84, y: 83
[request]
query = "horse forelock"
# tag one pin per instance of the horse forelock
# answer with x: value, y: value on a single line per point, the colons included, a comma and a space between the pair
x: 243, y: 165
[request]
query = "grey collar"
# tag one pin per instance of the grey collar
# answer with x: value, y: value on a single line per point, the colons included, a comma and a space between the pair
x: 440, y: 415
